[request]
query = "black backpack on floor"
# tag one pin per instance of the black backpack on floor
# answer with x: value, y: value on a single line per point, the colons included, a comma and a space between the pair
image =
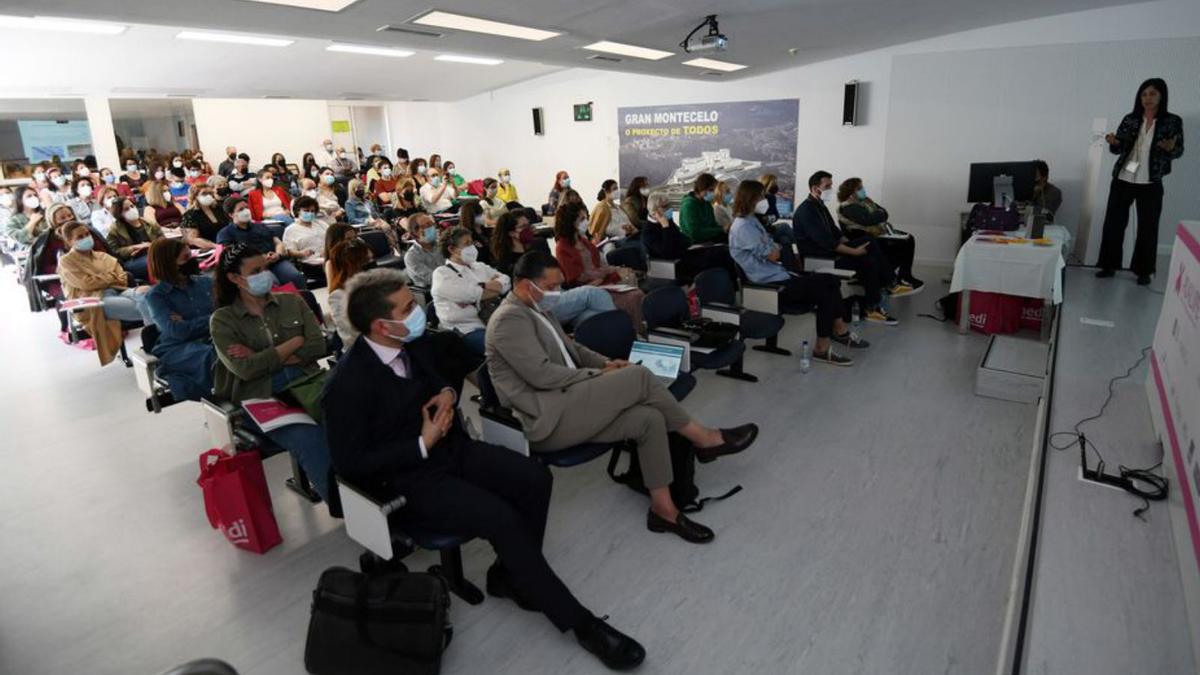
x: 684, y: 492
x: 380, y: 624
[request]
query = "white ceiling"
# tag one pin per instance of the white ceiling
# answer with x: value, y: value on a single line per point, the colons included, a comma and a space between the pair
x: 147, y: 60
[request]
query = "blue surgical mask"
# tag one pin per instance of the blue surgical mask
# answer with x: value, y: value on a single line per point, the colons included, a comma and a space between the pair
x: 709, y: 196
x: 260, y: 284
x: 86, y: 244
x: 414, y: 324
x: 436, y: 181
x: 566, y: 183
x: 430, y: 234
x: 308, y: 216
x: 861, y: 194
x: 728, y: 199
x: 671, y: 215
x: 109, y: 178
x: 549, y: 299
x: 328, y: 179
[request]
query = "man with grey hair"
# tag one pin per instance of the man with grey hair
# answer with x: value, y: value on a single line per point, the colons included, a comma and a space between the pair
x: 392, y: 430
x: 421, y: 259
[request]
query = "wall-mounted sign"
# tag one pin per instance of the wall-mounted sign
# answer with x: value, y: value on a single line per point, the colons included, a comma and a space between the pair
x: 583, y: 112
x: 341, y: 126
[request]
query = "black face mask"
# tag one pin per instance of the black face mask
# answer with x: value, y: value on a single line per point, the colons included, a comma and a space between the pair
x: 773, y: 189
x: 232, y: 156
x: 359, y: 193
x: 408, y: 195
x: 190, y: 268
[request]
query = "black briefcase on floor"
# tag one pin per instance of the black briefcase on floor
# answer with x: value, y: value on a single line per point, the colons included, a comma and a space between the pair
x: 396, y: 623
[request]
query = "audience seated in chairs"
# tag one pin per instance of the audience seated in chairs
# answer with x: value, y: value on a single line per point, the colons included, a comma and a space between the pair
x: 243, y: 230
x: 88, y: 273
x: 697, y: 220
x: 81, y: 199
x: 609, y: 227
x: 490, y: 203
x: 180, y: 306
x: 665, y: 241
x: 423, y: 257
x: 771, y: 182
x: 760, y: 261
x: 204, y: 217
x: 507, y: 190
x: 463, y: 287
x: 562, y: 183
x: 438, y: 194
x: 860, y: 216
x: 334, y: 235
x: 566, y: 394
x: 722, y: 205
x: 305, y: 237
x: 581, y: 263
x: 269, y: 201
x: 360, y: 208
x: 819, y: 235
x: 130, y: 237
x: 28, y: 221
x: 393, y: 431
x: 347, y: 259
x: 331, y: 197
x: 634, y: 201
x: 102, y: 218
x: 470, y: 218
x: 161, y: 209
x: 265, y: 342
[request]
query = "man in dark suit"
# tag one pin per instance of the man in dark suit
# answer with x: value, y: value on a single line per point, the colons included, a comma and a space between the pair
x: 391, y: 425
x: 819, y: 235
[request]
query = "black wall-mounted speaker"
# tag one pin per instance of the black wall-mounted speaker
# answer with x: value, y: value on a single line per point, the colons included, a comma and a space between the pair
x: 850, y: 104
x: 538, y: 129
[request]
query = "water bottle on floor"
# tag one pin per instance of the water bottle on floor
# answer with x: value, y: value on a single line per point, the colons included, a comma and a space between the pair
x: 805, y: 358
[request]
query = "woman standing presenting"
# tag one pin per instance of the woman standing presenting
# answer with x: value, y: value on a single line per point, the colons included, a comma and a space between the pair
x: 1146, y: 142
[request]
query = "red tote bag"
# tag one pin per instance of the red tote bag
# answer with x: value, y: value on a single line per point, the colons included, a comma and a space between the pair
x: 237, y: 501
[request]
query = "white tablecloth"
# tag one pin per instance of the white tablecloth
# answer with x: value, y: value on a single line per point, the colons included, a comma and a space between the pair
x: 1023, y: 269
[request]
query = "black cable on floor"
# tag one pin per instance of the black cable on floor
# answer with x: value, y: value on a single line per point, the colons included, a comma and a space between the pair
x: 1130, y: 480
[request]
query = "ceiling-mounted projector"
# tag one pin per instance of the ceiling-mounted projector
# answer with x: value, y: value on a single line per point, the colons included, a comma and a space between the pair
x: 714, y: 41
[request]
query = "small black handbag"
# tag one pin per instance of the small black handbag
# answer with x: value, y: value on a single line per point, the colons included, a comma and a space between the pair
x: 395, y: 623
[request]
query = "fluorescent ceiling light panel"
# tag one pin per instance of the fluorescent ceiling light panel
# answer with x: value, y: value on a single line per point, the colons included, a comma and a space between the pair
x: 477, y: 60
x: 713, y: 64
x: 235, y: 38
x: 628, y: 50
x: 323, y: 5
x: 474, y: 25
x: 366, y: 49
x: 51, y: 23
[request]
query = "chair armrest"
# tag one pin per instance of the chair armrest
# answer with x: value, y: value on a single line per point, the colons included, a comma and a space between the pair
x: 661, y: 268
x: 219, y: 418
x: 144, y: 368
x: 721, y: 312
x: 815, y: 264
x: 367, y: 519
x: 44, y: 278
x: 761, y: 298
x: 843, y: 274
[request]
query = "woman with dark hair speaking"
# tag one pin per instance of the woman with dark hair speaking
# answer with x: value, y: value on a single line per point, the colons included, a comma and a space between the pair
x: 1146, y: 142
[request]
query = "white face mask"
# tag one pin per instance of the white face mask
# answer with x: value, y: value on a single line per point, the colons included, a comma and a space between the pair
x: 268, y: 183
x: 761, y: 207
x: 243, y: 216
x: 470, y: 254
x: 645, y: 192
x: 131, y: 214
x: 109, y: 201
x: 177, y: 164
x: 206, y: 200
x: 386, y: 173
x: 84, y: 171
x: 39, y: 176
x: 504, y: 179
x: 59, y: 181
x: 827, y: 195
x: 479, y: 219
x: 158, y: 175
x: 84, y: 190
x: 6, y: 200
x: 31, y: 202
x: 311, y: 193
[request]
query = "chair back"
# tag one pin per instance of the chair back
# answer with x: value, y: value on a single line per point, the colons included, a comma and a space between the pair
x: 487, y: 391
x: 378, y: 242
x: 665, y: 307
x: 313, y: 306
x: 714, y: 285
x: 431, y: 316
x: 608, y: 333
x: 149, y: 337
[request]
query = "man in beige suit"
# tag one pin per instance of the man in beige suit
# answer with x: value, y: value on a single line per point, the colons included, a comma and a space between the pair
x: 566, y: 394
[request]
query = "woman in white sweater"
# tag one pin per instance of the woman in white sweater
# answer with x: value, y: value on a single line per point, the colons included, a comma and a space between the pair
x: 464, y: 286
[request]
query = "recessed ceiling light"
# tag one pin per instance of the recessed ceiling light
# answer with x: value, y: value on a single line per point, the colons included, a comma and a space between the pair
x: 366, y: 49
x: 236, y: 38
x: 477, y: 60
x: 62, y: 25
x: 628, y: 50
x: 713, y: 64
x: 474, y: 25
x: 323, y: 5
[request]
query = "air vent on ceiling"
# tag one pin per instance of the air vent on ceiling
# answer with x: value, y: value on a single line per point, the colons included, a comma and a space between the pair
x: 351, y: 96
x: 277, y: 96
x: 602, y: 57
x: 421, y: 32
x: 713, y: 73
x: 420, y: 100
x: 183, y: 95
x: 159, y: 91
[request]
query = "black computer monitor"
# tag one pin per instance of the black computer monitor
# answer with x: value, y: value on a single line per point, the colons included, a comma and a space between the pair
x: 982, y: 174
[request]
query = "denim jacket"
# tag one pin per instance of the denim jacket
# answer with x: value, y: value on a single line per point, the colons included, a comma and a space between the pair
x: 1167, y: 126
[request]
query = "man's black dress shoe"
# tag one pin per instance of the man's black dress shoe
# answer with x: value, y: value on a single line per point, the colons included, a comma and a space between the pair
x: 1144, y: 280
x: 735, y: 440
x: 614, y: 648
x: 687, y: 530
x: 499, y: 586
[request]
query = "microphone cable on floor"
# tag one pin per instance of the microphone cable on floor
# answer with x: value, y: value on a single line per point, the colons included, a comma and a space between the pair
x: 1142, y: 483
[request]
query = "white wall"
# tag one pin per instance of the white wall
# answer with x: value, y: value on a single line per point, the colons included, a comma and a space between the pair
x: 261, y: 128
x: 494, y: 129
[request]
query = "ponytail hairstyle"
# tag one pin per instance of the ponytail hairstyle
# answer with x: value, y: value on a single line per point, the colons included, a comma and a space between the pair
x: 605, y: 188
x: 232, y: 258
